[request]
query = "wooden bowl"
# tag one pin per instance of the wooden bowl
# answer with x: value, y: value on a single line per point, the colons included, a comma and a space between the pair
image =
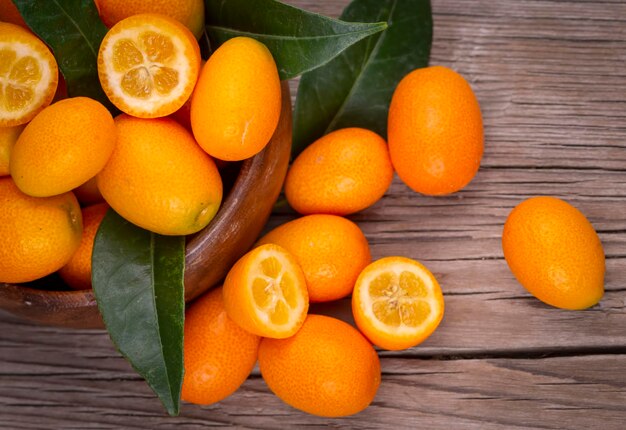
x: 209, y: 253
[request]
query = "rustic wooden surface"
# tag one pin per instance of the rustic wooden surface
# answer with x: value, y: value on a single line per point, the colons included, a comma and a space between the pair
x: 550, y: 78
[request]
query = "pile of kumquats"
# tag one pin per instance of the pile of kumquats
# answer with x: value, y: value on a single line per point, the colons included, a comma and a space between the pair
x: 154, y: 164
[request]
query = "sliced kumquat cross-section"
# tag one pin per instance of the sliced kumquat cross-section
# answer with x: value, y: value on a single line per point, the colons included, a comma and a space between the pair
x: 148, y: 65
x: 397, y: 303
x: 28, y: 75
x: 265, y: 292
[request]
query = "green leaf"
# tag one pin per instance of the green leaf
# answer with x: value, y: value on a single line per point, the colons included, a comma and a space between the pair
x: 137, y: 278
x: 74, y: 31
x: 355, y: 89
x: 299, y: 40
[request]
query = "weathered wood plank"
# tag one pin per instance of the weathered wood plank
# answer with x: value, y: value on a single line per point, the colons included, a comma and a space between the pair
x: 478, y: 318
x: 444, y: 224
x: 559, y: 392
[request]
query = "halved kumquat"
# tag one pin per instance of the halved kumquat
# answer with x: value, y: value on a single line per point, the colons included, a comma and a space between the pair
x: 28, y: 75
x: 397, y: 303
x: 265, y: 292
x: 148, y: 65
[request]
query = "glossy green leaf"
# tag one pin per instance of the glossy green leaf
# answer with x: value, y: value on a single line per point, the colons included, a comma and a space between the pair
x: 299, y: 40
x: 355, y: 89
x: 137, y: 278
x: 74, y: 31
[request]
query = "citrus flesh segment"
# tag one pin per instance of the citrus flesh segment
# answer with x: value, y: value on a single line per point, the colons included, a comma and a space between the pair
x: 275, y: 291
x: 265, y: 292
x: 28, y: 75
x: 397, y: 303
x: 148, y: 65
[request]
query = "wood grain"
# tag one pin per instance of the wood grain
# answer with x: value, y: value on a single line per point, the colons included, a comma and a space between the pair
x: 90, y: 388
x: 550, y: 79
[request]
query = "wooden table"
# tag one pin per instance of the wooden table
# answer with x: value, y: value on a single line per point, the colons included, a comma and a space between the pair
x: 551, y: 79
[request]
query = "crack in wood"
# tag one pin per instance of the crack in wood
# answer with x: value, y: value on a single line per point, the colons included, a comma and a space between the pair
x: 521, y: 354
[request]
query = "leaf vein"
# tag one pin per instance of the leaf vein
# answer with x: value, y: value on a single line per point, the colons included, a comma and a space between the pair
x: 369, y: 30
x: 156, y: 313
x: 69, y: 17
x: 357, y: 81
